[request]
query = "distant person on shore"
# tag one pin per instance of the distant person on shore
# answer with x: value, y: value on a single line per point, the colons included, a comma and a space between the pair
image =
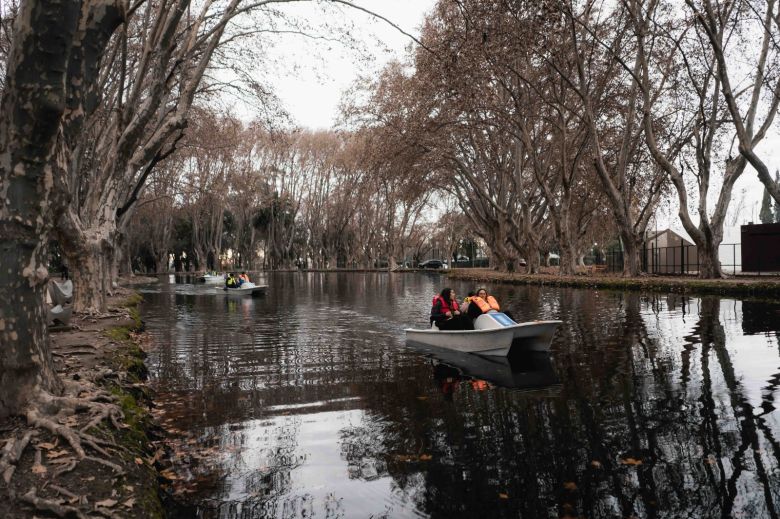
x: 445, y: 312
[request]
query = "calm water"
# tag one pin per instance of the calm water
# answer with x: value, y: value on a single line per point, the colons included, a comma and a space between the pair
x: 308, y: 403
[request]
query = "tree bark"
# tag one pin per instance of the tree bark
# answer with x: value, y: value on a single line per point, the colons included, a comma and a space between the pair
x: 31, y: 108
x: 631, y: 247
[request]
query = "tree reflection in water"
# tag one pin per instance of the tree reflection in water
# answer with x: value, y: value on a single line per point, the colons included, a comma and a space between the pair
x: 664, y: 406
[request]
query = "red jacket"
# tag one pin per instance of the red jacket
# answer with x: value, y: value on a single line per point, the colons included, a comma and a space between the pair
x: 440, y: 307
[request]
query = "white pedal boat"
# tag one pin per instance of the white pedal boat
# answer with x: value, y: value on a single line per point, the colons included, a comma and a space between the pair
x: 247, y: 289
x: 494, y: 334
x: 210, y: 279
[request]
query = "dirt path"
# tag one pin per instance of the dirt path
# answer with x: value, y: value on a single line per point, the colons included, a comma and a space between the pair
x: 115, y: 476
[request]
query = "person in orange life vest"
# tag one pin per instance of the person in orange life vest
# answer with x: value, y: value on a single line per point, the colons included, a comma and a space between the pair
x: 446, y: 313
x: 484, y: 303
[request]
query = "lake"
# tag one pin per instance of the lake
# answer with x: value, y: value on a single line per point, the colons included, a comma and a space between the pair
x: 307, y: 402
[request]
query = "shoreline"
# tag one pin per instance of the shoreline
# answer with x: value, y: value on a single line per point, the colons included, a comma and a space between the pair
x: 766, y: 287
x: 102, y: 355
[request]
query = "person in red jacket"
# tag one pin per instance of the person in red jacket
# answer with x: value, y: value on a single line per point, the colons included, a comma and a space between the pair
x: 446, y: 313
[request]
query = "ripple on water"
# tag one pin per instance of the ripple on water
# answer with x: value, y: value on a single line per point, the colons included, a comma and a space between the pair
x: 307, y: 402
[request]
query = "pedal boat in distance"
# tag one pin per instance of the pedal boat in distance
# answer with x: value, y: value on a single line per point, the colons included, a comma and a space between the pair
x: 247, y: 289
x: 212, y: 279
x: 494, y: 334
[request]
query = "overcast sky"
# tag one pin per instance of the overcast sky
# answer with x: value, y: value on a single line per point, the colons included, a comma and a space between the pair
x: 320, y: 71
x: 312, y: 76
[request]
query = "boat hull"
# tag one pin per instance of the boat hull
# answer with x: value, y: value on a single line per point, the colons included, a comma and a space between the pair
x: 240, y: 292
x: 485, y: 342
x: 530, y: 336
x: 534, y: 335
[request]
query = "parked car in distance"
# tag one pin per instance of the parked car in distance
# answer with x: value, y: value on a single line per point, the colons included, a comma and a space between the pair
x: 432, y: 264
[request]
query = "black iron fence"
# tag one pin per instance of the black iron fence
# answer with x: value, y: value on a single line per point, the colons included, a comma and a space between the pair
x: 679, y: 260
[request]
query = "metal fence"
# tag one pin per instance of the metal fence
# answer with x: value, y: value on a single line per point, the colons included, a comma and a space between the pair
x: 679, y: 260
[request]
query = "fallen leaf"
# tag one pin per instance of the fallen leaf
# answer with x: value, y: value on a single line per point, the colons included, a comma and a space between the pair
x: 570, y: 485
x: 425, y: 457
x: 139, y: 461
x: 38, y: 469
x: 169, y: 474
x: 107, y: 503
x: 129, y: 503
x: 47, y: 445
x: 503, y: 496
x: 595, y: 464
x: 422, y: 398
x: 631, y: 461
x: 56, y: 454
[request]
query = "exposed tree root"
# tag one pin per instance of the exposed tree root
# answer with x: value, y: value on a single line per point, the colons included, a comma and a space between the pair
x: 65, y: 492
x: 11, y: 453
x: 39, y: 415
x: 59, y: 416
x: 52, y: 506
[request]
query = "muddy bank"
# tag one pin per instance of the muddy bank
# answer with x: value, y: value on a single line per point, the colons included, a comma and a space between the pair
x: 101, y: 360
x: 764, y: 287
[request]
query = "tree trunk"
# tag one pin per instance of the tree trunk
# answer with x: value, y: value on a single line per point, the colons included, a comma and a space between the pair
x: 32, y: 104
x: 90, y: 272
x: 533, y: 262
x: 90, y: 255
x: 567, y: 261
x: 631, y: 263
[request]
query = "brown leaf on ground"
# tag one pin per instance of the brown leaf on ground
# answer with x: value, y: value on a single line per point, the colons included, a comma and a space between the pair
x: 39, y: 469
x: 595, y: 464
x: 56, y: 454
x: 502, y: 495
x: 47, y: 445
x: 425, y: 457
x: 169, y: 474
x: 129, y: 503
x: 631, y: 461
x: 570, y: 485
x: 107, y: 503
x: 139, y: 461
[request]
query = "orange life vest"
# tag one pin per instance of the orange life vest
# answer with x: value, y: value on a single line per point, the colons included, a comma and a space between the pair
x: 486, y: 306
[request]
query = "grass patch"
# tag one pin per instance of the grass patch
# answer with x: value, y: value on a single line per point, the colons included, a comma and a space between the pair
x: 134, y: 399
x: 682, y: 285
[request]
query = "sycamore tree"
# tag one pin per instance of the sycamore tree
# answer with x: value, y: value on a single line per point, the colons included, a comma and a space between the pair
x: 95, y: 94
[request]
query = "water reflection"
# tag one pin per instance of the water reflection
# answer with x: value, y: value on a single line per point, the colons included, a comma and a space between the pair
x: 308, y: 402
x: 526, y: 370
